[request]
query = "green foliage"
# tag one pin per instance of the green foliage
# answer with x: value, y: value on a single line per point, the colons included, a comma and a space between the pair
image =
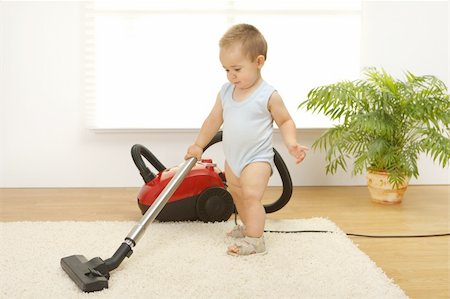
x: 384, y: 123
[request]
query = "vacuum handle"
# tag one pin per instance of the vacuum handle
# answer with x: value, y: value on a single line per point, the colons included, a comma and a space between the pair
x: 153, y: 211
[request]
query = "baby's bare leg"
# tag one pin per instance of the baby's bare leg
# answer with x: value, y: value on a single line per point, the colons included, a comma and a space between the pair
x: 234, y: 187
x: 247, y: 192
x: 254, y: 179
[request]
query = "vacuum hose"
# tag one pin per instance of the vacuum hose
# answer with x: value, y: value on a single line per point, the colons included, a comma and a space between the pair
x: 287, y: 185
x: 137, y: 152
x: 282, y: 170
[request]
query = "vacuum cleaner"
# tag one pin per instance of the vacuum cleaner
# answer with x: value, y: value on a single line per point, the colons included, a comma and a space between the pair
x: 216, y: 205
x: 202, y: 195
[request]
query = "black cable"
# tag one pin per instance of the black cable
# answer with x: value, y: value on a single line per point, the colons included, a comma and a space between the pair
x: 297, y: 231
x: 359, y: 235
x: 350, y: 234
x: 400, y: 236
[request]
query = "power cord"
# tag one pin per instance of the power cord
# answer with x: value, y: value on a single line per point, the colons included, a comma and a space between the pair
x: 359, y: 235
x: 351, y: 234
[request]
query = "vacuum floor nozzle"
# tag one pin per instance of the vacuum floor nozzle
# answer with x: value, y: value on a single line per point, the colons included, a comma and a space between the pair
x: 86, y: 274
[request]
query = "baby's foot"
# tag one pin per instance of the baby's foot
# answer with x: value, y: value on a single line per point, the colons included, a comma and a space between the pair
x: 237, y: 232
x: 248, y: 246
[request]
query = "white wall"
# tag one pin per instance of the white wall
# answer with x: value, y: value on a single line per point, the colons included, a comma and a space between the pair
x: 2, y: 105
x: 40, y: 86
x: 407, y: 36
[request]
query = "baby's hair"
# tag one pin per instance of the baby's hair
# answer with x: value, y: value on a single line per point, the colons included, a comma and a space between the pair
x: 252, y: 41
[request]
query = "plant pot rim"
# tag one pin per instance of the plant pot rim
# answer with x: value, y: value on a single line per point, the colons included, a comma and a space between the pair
x: 382, y: 172
x: 377, y: 171
x: 386, y: 174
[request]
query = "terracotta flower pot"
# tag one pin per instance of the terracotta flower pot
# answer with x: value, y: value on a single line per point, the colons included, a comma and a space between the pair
x: 382, y: 191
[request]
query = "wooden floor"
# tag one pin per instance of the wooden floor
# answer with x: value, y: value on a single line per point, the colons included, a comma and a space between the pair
x: 419, y: 265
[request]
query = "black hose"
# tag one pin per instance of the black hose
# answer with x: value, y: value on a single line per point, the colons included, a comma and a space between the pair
x: 217, y: 138
x: 137, y: 152
x: 282, y: 170
x: 287, y: 185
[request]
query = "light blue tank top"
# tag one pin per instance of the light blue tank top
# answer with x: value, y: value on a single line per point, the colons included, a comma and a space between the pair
x: 247, y: 127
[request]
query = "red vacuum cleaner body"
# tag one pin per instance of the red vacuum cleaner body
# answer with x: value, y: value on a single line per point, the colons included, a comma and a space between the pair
x: 202, y: 195
x: 202, y: 176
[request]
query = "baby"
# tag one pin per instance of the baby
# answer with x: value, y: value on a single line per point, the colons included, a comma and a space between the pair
x: 246, y: 107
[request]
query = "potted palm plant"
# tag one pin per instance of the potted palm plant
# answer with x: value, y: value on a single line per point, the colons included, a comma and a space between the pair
x: 383, y: 124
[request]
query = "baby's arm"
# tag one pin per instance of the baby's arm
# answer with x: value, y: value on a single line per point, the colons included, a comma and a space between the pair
x: 287, y: 127
x: 209, y: 128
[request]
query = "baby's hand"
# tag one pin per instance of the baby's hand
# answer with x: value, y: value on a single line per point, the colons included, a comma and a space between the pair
x: 298, y: 151
x: 194, y: 151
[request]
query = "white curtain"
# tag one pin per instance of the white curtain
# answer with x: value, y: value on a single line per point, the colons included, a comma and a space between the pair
x: 154, y: 64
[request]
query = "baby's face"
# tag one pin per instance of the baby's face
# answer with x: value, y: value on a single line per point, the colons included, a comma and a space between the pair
x: 241, y: 71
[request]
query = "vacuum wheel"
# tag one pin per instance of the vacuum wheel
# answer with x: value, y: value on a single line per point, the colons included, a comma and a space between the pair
x: 214, y: 204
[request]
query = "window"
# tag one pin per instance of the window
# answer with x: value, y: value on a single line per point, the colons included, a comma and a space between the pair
x: 154, y: 64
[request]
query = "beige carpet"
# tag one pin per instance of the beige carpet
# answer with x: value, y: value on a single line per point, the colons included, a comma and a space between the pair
x: 188, y: 260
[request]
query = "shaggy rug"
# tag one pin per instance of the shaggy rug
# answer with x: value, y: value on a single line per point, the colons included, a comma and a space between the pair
x: 188, y: 260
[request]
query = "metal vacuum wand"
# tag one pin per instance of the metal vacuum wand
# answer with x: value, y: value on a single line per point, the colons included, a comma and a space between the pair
x: 138, y: 230
x: 93, y: 275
